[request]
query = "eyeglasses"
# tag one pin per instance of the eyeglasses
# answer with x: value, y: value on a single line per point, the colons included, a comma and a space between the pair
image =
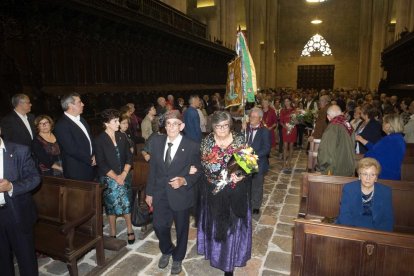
x: 44, y: 123
x: 368, y: 175
x: 168, y: 124
x: 221, y: 127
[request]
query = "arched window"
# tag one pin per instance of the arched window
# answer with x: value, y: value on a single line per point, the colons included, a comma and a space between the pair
x: 316, y: 44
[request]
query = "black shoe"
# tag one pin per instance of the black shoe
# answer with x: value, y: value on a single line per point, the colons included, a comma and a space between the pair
x: 133, y: 240
x: 256, y: 211
x: 228, y: 273
x: 176, y: 267
x: 164, y: 260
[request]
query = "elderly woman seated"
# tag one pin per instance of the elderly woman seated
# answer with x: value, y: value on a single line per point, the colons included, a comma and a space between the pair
x: 366, y: 203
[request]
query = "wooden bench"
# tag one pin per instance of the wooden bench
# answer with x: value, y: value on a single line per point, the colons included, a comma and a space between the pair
x: 407, y: 169
x: 327, y: 249
x: 321, y: 196
x: 70, y: 220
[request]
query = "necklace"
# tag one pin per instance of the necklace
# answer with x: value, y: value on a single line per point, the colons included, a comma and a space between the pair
x: 370, y: 196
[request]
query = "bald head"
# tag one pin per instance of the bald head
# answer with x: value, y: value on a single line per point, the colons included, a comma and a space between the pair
x: 333, y: 111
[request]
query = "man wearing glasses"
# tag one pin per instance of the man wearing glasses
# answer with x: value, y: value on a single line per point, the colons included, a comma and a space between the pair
x: 170, y: 188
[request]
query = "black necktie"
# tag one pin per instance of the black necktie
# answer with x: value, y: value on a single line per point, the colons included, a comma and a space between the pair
x: 168, y: 155
x: 251, y: 135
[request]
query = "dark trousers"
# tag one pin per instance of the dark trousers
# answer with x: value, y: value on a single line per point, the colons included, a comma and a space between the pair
x: 257, y: 190
x: 280, y: 139
x: 301, y: 131
x: 13, y: 240
x: 162, y: 221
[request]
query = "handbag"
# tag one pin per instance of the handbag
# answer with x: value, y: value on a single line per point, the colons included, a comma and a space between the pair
x: 141, y: 215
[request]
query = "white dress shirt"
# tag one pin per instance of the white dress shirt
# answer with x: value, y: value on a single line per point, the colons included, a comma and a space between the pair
x: 26, y: 122
x: 174, y: 147
x: 77, y: 121
x: 2, y: 152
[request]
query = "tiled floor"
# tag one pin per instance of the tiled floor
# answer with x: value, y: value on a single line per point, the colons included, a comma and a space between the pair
x: 272, y: 236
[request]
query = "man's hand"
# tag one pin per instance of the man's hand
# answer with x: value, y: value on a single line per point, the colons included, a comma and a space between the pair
x: 193, y: 170
x: 310, y: 138
x: 148, y: 200
x: 177, y: 182
x: 234, y: 178
x: 93, y: 160
x: 5, y: 185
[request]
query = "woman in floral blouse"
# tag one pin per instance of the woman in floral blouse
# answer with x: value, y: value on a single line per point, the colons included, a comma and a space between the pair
x: 224, y: 226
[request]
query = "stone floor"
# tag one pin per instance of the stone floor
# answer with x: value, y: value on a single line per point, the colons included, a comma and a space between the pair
x: 272, y: 236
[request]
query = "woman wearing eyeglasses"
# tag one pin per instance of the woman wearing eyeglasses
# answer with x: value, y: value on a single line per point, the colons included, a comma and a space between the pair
x: 224, y: 233
x: 45, y: 147
x: 366, y: 203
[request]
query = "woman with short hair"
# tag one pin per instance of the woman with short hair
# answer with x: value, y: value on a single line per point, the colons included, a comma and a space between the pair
x: 390, y: 150
x: 224, y: 233
x: 46, y: 148
x: 114, y: 161
x: 365, y: 202
x: 369, y: 128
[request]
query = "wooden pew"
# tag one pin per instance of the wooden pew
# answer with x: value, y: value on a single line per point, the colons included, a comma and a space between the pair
x: 327, y: 249
x: 409, y: 150
x: 407, y: 169
x: 321, y: 196
x: 70, y: 220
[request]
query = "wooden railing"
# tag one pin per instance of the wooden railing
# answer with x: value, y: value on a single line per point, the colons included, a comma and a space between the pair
x: 163, y: 13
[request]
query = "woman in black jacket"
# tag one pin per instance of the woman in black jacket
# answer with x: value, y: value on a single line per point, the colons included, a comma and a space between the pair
x: 114, y: 160
x: 370, y: 129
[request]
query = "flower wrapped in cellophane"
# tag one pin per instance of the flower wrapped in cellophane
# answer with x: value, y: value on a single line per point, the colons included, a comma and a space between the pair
x: 295, y: 118
x: 243, y: 162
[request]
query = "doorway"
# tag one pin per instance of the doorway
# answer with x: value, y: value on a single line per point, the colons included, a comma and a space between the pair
x: 315, y: 77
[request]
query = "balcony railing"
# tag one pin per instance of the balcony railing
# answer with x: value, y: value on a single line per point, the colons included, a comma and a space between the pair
x: 163, y: 13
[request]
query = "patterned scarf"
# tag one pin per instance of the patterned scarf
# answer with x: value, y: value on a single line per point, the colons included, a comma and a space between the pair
x: 341, y: 120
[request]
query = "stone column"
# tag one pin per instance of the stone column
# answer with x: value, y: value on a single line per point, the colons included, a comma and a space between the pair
x: 271, y: 40
x: 379, y: 31
x: 255, y: 25
x: 365, y: 36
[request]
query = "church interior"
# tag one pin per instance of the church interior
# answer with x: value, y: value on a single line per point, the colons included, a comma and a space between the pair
x: 113, y: 52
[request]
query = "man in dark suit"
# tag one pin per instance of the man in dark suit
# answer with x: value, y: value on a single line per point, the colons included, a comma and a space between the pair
x: 258, y: 138
x: 74, y: 137
x: 170, y: 188
x: 19, y: 177
x: 18, y: 125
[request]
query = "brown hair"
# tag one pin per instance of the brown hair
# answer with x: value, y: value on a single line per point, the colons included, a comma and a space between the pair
x: 41, y: 117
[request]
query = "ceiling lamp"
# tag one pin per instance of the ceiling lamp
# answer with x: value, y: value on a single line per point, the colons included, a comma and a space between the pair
x: 315, y: 1
x: 316, y: 21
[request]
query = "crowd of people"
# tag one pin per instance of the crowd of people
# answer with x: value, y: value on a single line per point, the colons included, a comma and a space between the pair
x: 189, y: 147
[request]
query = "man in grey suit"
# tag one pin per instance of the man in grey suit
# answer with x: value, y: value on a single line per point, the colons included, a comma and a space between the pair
x: 170, y: 188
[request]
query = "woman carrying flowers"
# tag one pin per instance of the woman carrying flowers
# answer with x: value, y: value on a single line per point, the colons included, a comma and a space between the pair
x: 224, y: 228
x: 289, y: 131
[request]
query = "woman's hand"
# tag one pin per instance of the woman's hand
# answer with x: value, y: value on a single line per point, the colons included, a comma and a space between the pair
x: 193, y: 170
x: 359, y: 138
x: 234, y: 178
x: 148, y: 200
x: 120, y: 179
